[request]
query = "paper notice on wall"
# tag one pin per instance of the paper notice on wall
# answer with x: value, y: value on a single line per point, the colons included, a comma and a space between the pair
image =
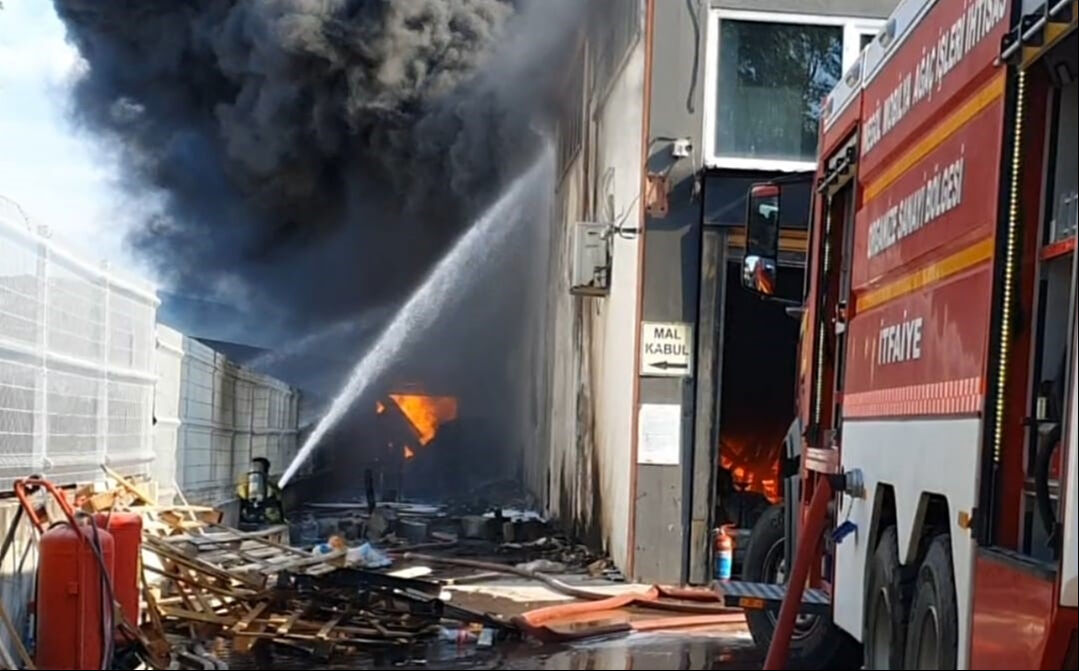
x: 659, y: 434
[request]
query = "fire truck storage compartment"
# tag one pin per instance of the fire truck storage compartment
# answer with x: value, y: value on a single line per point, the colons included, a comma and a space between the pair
x: 756, y: 404
x: 1055, y: 305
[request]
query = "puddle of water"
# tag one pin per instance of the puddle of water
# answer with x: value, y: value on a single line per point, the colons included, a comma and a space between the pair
x: 732, y: 650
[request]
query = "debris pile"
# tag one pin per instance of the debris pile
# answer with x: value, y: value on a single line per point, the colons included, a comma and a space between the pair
x: 204, y: 583
x: 354, y: 578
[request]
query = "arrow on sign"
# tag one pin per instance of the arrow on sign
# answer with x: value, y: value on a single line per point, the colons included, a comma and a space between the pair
x: 667, y: 364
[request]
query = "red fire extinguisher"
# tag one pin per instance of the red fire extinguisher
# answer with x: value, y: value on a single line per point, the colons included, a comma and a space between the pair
x: 74, y: 594
x: 126, y: 530
x: 724, y: 552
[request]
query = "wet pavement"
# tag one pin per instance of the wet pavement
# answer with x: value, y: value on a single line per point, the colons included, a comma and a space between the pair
x: 721, y: 650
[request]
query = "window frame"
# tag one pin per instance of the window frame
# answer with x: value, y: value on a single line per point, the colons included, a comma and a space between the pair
x: 854, y: 27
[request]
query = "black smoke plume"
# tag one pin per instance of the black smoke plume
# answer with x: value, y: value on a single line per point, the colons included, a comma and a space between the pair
x: 311, y: 158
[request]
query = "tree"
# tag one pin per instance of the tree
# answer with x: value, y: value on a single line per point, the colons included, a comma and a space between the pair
x: 775, y: 77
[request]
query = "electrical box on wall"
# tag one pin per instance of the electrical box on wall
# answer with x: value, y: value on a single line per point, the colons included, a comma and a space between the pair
x: 591, y: 259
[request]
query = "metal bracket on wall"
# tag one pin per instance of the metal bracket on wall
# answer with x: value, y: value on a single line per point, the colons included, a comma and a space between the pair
x: 656, y: 191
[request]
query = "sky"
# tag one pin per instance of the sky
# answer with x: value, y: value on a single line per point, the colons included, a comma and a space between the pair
x: 58, y: 174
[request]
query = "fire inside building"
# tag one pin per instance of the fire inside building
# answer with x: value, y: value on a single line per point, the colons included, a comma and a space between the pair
x: 415, y: 445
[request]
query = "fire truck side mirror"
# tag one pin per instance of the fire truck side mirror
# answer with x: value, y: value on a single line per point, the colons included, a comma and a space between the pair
x: 759, y: 275
x: 759, y: 264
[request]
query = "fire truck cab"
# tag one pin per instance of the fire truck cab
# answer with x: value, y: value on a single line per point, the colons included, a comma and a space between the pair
x: 937, y: 376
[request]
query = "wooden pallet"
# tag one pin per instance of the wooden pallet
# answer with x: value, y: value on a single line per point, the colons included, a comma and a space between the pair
x: 203, y: 580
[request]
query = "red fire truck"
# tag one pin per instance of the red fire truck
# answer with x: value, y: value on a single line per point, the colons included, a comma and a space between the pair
x: 935, y: 527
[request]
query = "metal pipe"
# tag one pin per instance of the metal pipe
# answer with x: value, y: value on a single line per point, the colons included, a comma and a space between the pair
x: 646, y: 123
x: 1033, y: 30
x: 816, y: 517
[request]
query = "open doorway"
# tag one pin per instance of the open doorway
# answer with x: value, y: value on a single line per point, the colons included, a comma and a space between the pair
x: 756, y: 402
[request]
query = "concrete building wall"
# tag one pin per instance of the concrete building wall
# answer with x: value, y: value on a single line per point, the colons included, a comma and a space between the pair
x: 618, y: 167
x: 671, y: 280
x: 561, y: 489
x: 850, y: 8
x: 586, y: 479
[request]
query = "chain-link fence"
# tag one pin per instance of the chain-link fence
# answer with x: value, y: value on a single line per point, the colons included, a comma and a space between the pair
x: 76, y: 361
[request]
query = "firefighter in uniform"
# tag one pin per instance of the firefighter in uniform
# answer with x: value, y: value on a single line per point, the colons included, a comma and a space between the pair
x: 260, y: 499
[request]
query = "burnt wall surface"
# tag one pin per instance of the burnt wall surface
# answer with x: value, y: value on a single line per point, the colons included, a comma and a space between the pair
x: 583, y: 476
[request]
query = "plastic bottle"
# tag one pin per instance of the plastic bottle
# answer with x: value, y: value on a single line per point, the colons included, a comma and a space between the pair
x: 724, y: 552
x: 458, y: 636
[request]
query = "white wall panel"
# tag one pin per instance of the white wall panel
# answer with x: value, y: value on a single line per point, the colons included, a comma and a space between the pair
x: 76, y: 362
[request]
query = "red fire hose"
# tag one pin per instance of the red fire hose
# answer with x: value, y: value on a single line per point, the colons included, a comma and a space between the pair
x: 816, y: 518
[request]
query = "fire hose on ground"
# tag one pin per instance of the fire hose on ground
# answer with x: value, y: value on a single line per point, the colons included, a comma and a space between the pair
x: 696, y: 607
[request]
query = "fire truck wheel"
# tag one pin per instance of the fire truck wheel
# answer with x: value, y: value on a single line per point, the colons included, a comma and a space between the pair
x: 934, y: 628
x: 886, y: 606
x: 816, y: 642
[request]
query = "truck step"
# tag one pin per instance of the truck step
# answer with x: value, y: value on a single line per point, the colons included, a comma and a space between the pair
x: 768, y: 596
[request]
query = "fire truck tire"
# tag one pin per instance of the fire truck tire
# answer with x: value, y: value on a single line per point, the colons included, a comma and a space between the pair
x: 887, y: 602
x: 817, y: 643
x: 933, y: 638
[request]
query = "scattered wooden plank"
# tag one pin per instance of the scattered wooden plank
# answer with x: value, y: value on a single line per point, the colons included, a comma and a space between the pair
x: 195, y: 581
x: 200, y: 594
x: 310, y: 560
x: 101, y: 501
x: 198, y: 616
x: 264, y: 538
x: 321, y: 570
x: 225, y: 555
x: 148, y: 509
x: 193, y: 562
x: 251, y: 616
x: 245, y: 641
x: 288, y: 624
x: 128, y: 485
x: 328, y: 627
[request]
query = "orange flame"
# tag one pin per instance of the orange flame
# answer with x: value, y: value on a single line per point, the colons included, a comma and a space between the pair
x: 379, y: 407
x: 752, y: 470
x: 410, y: 454
x: 426, y: 413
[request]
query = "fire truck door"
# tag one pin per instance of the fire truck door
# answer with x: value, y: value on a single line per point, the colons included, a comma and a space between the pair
x: 1070, y: 212
x: 1069, y: 582
x: 845, y: 210
x: 1069, y: 578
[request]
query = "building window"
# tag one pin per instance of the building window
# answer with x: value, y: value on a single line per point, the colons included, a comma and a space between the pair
x: 772, y: 78
x: 571, y: 116
x: 767, y: 76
